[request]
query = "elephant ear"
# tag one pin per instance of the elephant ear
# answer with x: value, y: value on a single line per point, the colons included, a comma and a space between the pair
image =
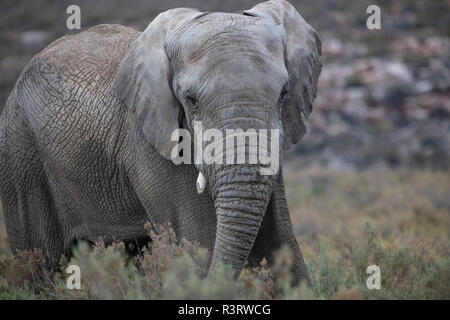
x: 143, y: 80
x: 302, y: 50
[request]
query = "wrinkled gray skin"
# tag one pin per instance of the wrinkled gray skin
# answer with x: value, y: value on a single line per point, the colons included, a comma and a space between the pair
x: 85, y: 135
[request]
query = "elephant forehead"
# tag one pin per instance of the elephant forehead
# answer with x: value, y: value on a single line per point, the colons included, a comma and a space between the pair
x: 223, y: 32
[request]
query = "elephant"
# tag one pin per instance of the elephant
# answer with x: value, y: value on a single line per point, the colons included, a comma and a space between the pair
x: 85, y: 136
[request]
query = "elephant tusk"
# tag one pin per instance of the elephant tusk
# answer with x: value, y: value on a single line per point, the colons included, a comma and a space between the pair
x: 305, y: 119
x: 201, y: 183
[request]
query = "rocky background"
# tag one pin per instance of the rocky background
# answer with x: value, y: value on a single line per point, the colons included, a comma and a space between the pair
x: 383, y: 96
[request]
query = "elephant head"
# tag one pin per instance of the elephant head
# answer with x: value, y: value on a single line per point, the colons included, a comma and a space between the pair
x: 256, y: 70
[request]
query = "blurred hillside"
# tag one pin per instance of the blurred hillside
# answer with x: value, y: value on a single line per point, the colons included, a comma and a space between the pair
x: 383, y: 95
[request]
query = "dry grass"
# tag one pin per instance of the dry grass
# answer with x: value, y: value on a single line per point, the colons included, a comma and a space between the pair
x: 345, y: 221
x: 399, y: 220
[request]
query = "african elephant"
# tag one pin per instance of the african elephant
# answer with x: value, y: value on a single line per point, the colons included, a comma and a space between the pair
x: 85, y: 136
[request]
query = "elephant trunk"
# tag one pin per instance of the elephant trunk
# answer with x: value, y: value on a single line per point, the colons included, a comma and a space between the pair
x: 240, y: 186
x: 241, y: 195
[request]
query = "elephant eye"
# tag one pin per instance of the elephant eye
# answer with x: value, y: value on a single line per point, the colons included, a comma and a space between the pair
x: 193, y: 103
x: 283, y: 94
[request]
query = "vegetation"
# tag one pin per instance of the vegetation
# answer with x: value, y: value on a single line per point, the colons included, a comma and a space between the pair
x: 345, y: 221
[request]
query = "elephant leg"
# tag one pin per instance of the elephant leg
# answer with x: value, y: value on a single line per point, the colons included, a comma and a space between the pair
x: 30, y: 215
x: 276, y: 232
